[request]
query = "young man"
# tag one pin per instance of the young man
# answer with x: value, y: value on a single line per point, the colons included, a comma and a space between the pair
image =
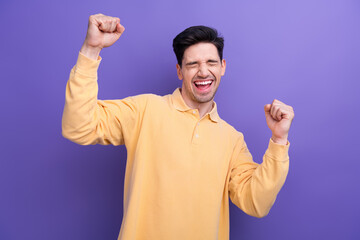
x: 184, y: 161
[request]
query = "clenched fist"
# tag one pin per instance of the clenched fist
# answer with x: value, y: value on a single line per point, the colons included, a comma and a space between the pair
x: 278, y: 118
x: 103, y: 31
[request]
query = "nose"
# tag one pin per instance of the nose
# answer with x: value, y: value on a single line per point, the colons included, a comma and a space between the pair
x: 203, y: 70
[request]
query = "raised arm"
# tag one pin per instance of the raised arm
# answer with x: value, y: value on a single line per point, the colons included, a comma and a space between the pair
x: 87, y: 120
x: 254, y: 187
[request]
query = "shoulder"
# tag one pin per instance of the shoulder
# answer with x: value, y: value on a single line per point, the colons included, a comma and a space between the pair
x: 235, y: 137
x: 231, y: 129
x: 151, y: 102
x: 154, y: 99
x: 150, y: 97
x: 142, y: 99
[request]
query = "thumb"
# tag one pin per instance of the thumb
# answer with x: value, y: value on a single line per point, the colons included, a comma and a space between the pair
x: 119, y: 28
x: 267, y: 108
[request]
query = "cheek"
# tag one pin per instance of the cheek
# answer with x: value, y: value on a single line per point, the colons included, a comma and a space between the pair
x: 189, y: 75
x: 222, y: 71
x: 217, y: 72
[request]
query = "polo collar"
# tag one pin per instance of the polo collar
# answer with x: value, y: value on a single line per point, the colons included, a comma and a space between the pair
x: 181, y: 106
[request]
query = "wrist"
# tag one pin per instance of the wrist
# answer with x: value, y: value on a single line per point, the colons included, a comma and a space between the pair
x: 279, y: 140
x: 90, y: 52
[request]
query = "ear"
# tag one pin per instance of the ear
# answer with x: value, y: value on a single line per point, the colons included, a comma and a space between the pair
x: 179, y: 73
x: 223, y: 67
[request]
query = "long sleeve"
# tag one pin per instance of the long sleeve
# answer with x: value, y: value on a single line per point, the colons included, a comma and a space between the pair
x: 253, y: 187
x: 87, y: 120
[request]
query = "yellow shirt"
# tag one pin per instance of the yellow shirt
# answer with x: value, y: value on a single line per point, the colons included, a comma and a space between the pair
x: 181, y: 170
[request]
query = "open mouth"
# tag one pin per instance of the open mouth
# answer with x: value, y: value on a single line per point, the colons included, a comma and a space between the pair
x: 203, y: 85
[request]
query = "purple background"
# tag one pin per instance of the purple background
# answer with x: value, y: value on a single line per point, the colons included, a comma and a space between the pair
x: 305, y: 53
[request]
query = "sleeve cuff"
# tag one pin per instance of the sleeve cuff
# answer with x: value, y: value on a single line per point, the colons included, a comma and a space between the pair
x: 278, y: 152
x: 87, y: 66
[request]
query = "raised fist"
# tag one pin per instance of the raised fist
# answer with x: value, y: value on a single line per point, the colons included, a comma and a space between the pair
x: 278, y: 118
x: 103, y: 31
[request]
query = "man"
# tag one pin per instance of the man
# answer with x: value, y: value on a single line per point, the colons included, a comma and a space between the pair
x: 184, y: 161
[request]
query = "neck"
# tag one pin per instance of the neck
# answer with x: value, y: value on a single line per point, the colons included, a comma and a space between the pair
x: 203, y: 108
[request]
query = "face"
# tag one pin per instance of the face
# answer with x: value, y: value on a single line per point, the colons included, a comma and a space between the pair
x: 201, y: 72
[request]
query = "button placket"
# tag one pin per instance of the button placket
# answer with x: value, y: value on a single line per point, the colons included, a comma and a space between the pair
x: 196, y: 136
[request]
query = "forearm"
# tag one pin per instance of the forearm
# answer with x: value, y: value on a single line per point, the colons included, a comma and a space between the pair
x: 254, y: 190
x: 269, y: 177
x: 78, y: 122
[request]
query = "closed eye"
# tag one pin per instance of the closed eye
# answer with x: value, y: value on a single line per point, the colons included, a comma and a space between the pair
x: 212, y: 62
x: 192, y: 64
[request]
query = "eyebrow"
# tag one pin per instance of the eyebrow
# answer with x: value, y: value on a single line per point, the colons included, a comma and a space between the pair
x: 196, y: 62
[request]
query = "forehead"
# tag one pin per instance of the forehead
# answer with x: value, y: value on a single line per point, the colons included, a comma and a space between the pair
x: 201, y: 52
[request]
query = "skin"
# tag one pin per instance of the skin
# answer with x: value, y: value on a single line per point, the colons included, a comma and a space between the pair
x: 201, y: 62
x: 103, y: 31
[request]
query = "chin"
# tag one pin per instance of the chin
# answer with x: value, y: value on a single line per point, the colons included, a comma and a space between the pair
x: 204, y: 99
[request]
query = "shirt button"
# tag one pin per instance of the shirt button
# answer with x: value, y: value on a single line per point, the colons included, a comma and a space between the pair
x: 194, y: 112
x: 197, y: 135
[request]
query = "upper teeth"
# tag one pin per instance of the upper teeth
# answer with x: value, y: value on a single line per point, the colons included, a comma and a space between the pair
x: 203, y: 83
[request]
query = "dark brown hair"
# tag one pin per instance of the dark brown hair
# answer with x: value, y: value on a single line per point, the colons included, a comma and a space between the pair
x: 194, y: 35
